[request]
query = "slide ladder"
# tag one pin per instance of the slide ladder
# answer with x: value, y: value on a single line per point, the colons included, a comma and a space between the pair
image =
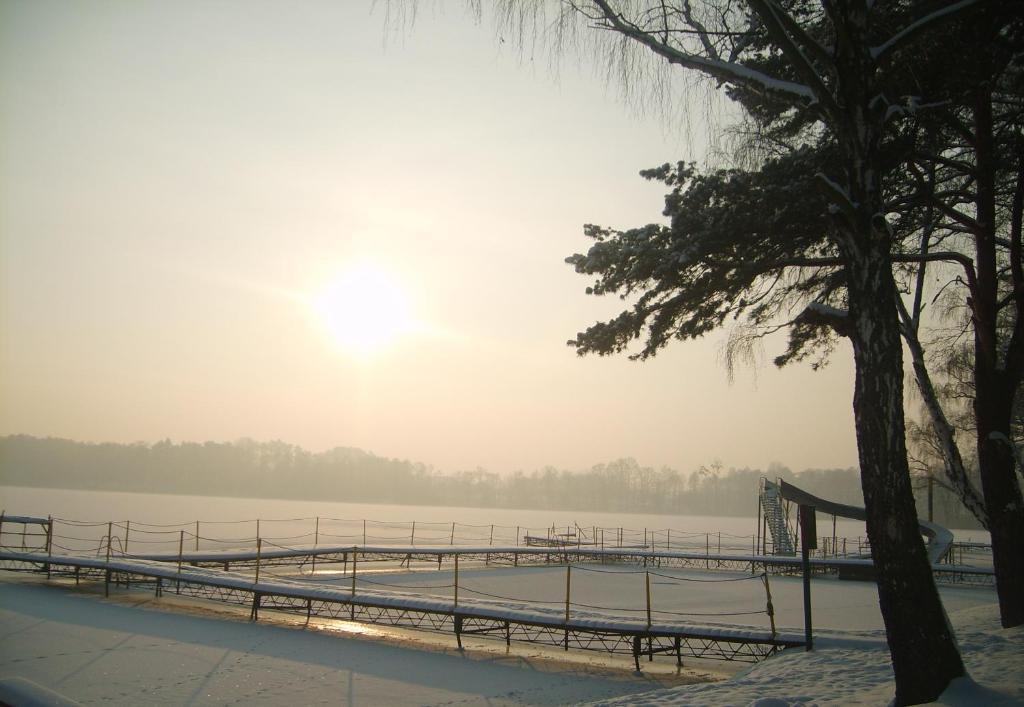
x: 775, y: 519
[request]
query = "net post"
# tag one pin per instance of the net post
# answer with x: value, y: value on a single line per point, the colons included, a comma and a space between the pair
x: 568, y: 588
x: 259, y: 552
x: 769, y: 608
x: 647, y: 583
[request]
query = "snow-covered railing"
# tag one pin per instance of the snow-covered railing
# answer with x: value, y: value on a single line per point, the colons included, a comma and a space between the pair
x: 567, y: 621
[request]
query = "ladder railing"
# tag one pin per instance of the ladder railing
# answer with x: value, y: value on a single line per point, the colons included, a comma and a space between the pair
x: 775, y: 518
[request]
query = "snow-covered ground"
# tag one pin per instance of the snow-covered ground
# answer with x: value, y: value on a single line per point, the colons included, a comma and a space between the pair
x: 133, y: 649
x: 127, y: 651
x: 850, y: 672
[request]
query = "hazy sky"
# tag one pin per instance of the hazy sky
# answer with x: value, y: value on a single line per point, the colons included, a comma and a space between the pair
x: 265, y: 219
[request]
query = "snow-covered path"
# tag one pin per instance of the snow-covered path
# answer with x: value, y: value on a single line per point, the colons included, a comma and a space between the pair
x: 97, y: 651
x: 124, y: 651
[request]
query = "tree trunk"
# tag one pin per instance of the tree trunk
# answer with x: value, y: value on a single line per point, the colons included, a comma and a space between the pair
x: 925, y: 658
x: 993, y: 404
x: 924, y: 653
x: 995, y: 383
x: 956, y: 472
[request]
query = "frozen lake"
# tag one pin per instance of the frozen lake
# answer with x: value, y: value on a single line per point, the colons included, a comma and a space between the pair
x: 235, y: 517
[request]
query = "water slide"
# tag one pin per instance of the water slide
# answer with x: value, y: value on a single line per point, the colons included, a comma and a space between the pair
x: 938, y: 538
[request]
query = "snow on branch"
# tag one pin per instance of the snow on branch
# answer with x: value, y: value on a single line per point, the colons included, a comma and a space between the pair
x: 726, y: 71
x: 837, y: 194
x: 882, y: 51
x: 788, y: 35
x: 821, y: 314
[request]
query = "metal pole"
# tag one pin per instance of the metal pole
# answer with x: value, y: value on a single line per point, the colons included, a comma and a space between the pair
x: 491, y: 541
x: 49, y: 542
x: 354, y: 560
x: 647, y: 582
x: 259, y: 551
x: 197, y: 535
x: 181, y: 547
x: 453, y: 534
x: 568, y: 585
x: 110, y: 530
x: 834, y: 534
x: 316, y: 540
x: 808, y: 637
x: 412, y: 536
x: 757, y: 538
x: 768, y: 596
x: 456, y: 579
x: 127, y: 530
x: 808, y: 541
x: 352, y: 601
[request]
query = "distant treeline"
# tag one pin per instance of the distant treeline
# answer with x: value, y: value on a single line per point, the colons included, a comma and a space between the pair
x: 275, y: 469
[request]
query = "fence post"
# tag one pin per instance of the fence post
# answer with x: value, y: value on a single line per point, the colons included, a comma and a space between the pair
x: 364, y: 531
x: 517, y: 536
x: 259, y: 551
x: 49, y: 542
x: 197, y: 535
x: 707, y: 550
x: 568, y: 585
x: 181, y: 548
x: 2, y: 527
x: 770, y: 609
x: 668, y: 540
x: 647, y: 584
x: 354, y: 564
x: 452, y: 542
x: 110, y: 530
x: 491, y: 541
x: 412, y: 536
x: 127, y: 530
x: 257, y: 527
x: 456, y: 603
x: 316, y: 540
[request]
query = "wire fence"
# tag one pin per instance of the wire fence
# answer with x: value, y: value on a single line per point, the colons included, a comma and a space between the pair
x: 129, y: 537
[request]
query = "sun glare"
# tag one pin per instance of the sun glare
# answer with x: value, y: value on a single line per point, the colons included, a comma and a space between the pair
x: 363, y: 308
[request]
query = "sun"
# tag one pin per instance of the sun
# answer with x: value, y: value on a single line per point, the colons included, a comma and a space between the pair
x: 364, y: 309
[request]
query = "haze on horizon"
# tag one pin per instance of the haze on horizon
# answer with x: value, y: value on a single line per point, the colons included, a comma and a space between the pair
x: 247, y: 219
